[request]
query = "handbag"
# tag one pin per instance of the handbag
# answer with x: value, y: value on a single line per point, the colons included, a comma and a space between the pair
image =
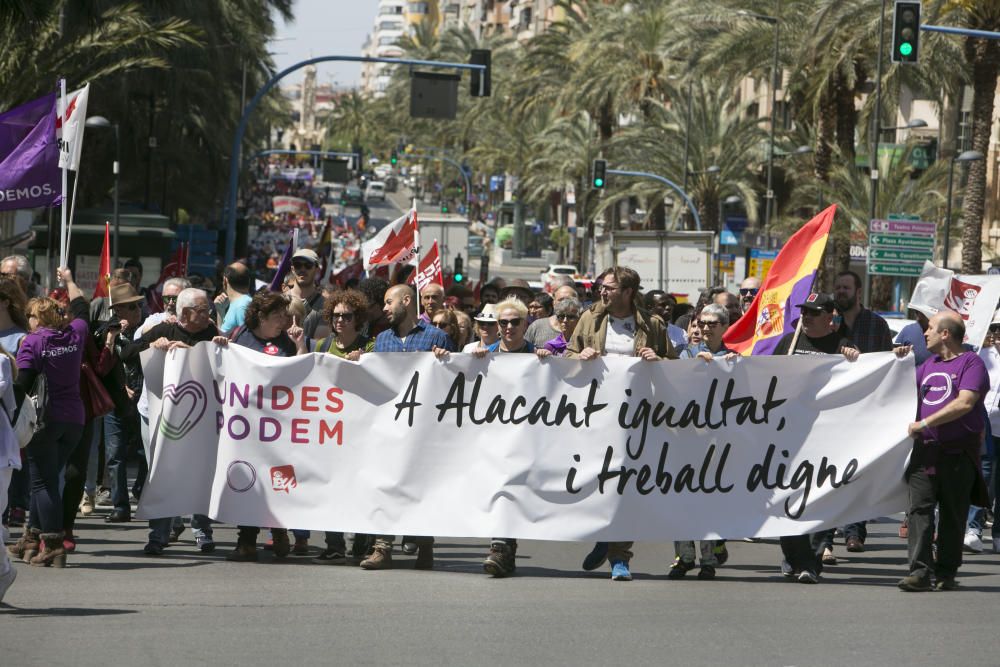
x: 96, y: 399
x: 29, y: 419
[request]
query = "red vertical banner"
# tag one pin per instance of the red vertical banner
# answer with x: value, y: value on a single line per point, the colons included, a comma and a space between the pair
x: 104, y: 271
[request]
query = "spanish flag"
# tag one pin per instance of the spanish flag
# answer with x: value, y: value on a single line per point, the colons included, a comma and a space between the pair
x: 788, y: 282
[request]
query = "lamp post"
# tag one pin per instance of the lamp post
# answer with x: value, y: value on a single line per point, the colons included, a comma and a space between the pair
x: 966, y: 156
x: 775, y: 81
x: 102, y: 122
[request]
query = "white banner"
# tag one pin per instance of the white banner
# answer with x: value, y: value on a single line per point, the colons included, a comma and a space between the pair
x: 974, y: 297
x: 285, y: 204
x: 70, y: 128
x: 514, y: 446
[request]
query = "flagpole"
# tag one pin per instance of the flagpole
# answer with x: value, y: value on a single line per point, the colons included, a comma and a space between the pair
x: 72, y: 211
x: 63, y: 236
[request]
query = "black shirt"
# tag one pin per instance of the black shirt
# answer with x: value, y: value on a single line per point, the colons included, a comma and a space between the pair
x: 828, y: 344
x: 281, y: 346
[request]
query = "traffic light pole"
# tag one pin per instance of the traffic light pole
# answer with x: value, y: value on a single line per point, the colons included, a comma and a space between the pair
x: 241, y: 128
x: 873, y: 154
x: 665, y: 181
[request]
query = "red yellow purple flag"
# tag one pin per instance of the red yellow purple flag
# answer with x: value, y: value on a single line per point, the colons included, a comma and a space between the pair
x: 788, y: 282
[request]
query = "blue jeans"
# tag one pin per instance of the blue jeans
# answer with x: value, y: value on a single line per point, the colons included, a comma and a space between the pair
x: 48, y: 453
x: 159, y: 529
x: 116, y: 460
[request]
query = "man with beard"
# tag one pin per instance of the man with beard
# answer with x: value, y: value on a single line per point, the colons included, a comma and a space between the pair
x: 871, y: 334
x: 406, y: 333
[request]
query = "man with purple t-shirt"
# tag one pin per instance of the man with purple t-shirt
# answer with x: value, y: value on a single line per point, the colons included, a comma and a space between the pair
x: 946, y: 439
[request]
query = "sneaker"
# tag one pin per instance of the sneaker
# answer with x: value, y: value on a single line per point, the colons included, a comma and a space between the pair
x: 706, y: 573
x: 380, y: 559
x: 855, y: 545
x: 301, y: 547
x: 500, y: 561
x: 597, y: 557
x: 721, y: 552
x: 828, y: 557
x: 914, y: 584
x: 808, y: 577
x: 103, y: 499
x: 175, y: 532
x: 87, y: 504
x: 280, y: 543
x: 973, y: 542
x: 620, y: 571
x: 946, y: 584
x: 425, y: 557
x: 679, y: 568
x: 331, y: 557
x: 787, y: 570
x: 153, y: 549
x: 243, y: 553
x: 205, y: 544
x: 6, y: 580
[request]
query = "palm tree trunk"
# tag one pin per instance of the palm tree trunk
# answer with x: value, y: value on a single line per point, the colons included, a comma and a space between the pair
x: 822, y: 161
x: 984, y: 54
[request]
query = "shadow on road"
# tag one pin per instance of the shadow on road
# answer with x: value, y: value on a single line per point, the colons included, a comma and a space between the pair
x: 69, y: 612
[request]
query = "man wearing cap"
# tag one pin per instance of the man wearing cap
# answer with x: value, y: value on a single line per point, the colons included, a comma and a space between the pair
x: 520, y: 290
x: 616, y: 326
x: 124, y: 384
x: 803, y: 554
x: 236, y: 290
x: 305, y: 268
x: 951, y: 387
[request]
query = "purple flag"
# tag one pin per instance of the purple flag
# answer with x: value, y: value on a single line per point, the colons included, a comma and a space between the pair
x: 284, y: 267
x: 29, y: 156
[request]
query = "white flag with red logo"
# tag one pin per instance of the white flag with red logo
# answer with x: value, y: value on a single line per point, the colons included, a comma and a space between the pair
x: 429, y: 269
x: 974, y: 297
x: 69, y: 128
x: 396, y: 243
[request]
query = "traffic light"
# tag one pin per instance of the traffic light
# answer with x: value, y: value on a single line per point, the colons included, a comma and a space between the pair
x: 905, y: 32
x: 459, y: 276
x: 600, y: 173
x: 393, y: 157
x: 480, y: 81
x: 444, y: 207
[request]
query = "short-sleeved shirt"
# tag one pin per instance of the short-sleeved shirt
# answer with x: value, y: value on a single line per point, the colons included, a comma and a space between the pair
x: 11, y: 339
x: 495, y: 347
x: 58, y: 354
x: 540, y: 332
x: 280, y: 346
x: 329, y: 345
x: 938, y: 384
x: 421, y: 338
x: 913, y: 335
x: 829, y: 344
x: 236, y: 315
x: 692, y: 350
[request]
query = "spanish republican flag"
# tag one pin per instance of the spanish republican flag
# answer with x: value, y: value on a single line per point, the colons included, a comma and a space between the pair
x: 104, y: 270
x: 788, y: 282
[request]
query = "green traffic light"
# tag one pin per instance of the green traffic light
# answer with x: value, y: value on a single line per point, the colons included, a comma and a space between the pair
x: 459, y: 277
x: 599, y: 182
x: 905, y: 48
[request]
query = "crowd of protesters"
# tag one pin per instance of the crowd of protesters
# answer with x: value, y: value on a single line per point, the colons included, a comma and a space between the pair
x: 96, y: 401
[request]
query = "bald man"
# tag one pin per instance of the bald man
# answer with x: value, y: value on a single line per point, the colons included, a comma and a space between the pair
x: 947, y: 436
x: 432, y: 300
x: 406, y: 333
x: 748, y: 290
x: 544, y: 329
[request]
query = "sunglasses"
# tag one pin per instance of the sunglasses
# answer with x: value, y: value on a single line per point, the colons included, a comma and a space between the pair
x: 303, y: 265
x: 170, y: 299
x: 347, y: 317
x: 126, y: 306
x: 516, y: 322
x: 748, y: 291
x: 563, y: 318
x: 708, y: 324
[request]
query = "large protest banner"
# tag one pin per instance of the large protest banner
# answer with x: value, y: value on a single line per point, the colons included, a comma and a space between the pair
x: 556, y: 449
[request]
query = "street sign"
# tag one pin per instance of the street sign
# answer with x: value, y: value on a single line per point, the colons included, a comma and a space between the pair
x: 888, y: 269
x: 760, y: 262
x: 899, y: 247
x: 898, y: 255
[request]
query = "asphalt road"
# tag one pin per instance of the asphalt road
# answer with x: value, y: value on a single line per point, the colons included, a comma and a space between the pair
x: 112, y: 605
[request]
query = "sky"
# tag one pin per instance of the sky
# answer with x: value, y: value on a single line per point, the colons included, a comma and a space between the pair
x: 325, y: 28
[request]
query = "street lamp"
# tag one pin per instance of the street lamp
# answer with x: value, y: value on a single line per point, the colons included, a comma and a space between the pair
x: 102, y: 122
x: 775, y: 80
x: 966, y: 156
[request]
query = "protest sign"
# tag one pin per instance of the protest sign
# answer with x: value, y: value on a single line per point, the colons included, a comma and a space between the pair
x: 558, y: 449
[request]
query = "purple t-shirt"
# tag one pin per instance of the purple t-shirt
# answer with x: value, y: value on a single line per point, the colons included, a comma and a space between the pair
x: 938, y: 384
x: 59, y: 355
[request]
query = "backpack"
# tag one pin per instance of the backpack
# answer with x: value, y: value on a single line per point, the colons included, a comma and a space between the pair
x: 29, y: 419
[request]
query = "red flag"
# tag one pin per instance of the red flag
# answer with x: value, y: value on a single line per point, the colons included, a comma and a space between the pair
x: 176, y: 267
x: 351, y: 272
x: 429, y: 269
x: 396, y: 243
x: 104, y: 270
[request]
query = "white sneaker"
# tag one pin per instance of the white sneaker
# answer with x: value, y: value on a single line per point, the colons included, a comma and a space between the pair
x: 973, y: 542
x: 6, y: 580
x: 808, y: 577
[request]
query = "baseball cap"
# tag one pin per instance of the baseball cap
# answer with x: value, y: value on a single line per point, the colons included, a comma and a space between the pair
x: 819, y: 301
x: 306, y: 253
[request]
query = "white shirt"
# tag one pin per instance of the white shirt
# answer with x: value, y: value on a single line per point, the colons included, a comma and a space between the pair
x: 620, y: 340
x: 991, y: 358
x: 10, y: 451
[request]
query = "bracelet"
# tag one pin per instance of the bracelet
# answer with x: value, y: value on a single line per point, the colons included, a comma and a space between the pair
x: 923, y: 425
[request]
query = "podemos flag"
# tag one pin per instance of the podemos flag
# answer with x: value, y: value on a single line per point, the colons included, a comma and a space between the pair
x: 29, y: 156
x: 788, y: 282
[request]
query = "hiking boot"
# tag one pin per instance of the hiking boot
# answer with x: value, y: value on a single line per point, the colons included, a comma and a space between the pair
x: 946, y: 584
x: 706, y: 573
x: 301, y: 546
x: 27, y: 546
x: 53, y: 553
x: 855, y: 545
x: 243, y: 553
x: 500, y: 561
x: 380, y: 559
x: 425, y: 557
x: 280, y: 544
x: 679, y: 568
x: 913, y: 583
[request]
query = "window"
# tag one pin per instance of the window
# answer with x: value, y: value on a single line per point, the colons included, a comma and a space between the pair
x: 419, y: 7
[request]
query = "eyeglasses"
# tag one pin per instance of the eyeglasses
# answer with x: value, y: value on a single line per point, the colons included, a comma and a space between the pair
x: 170, y: 299
x: 749, y: 291
x: 201, y: 310
x: 347, y: 317
x: 563, y: 318
x: 606, y: 288
x: 708, y: 324
x: 516, y: 322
